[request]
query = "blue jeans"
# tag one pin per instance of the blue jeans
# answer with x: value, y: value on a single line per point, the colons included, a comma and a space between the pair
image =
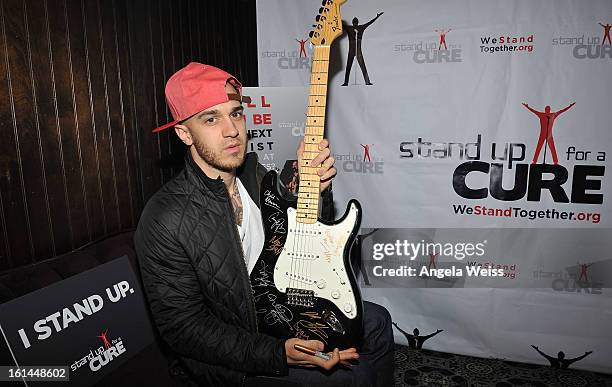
x: 375, y: 367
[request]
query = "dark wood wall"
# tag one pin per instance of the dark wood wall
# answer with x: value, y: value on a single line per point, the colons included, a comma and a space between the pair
x: 81, y: 87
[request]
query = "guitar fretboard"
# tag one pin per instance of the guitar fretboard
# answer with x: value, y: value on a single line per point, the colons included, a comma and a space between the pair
x: 308, y: 194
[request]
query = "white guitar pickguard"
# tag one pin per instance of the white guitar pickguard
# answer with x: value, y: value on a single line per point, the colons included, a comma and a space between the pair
x: 312, y: 259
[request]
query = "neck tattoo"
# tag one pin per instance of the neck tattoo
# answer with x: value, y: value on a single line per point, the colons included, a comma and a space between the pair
x: 237, y: 204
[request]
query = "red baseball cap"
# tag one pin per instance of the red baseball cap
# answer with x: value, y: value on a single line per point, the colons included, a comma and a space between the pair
x: 196, y: 87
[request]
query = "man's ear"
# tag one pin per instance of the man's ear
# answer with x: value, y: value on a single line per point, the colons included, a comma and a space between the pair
x: 184, y: 134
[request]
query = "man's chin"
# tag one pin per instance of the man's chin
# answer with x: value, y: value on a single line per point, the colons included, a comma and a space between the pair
x: 231, y: 163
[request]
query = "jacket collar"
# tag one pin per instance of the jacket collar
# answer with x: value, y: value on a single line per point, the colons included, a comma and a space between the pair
x: 246, y: 171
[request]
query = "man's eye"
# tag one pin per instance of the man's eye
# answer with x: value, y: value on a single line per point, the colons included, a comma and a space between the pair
x: 210, y: 120
x: 237, y: 114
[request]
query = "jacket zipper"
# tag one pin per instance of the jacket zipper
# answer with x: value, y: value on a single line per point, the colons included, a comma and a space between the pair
x: 246, y: 269
x: 246, y: 272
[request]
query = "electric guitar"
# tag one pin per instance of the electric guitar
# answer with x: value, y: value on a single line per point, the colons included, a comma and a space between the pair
x: 303, y: 283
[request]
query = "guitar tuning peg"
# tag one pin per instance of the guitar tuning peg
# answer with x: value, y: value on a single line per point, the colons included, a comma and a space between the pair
x: 320, y: 9
x: 318, y: 17
x: 324, y: 2
x: 311, y: 33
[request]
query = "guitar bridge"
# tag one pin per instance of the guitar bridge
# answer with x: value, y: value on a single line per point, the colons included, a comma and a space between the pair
x: 300, y: 297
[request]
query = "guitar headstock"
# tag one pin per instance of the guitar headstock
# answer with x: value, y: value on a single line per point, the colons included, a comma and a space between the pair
x: 328, y: 23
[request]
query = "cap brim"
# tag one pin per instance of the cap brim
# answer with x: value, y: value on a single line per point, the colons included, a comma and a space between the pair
x: 166, y: 126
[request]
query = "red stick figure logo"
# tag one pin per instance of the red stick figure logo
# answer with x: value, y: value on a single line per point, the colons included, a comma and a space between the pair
x: 583, y: 271
x: 302, y: 43
x: 366, y: 152
x: 443, y: 38
x: 432, y: 261
x: 107, y: 343
x: 606, y: 27
x: 547, y: 119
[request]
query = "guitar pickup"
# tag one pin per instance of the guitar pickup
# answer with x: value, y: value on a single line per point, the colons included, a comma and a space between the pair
x: 300, y: 297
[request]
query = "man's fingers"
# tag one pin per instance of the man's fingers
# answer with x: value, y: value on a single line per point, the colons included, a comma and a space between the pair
x: 324, y: 154
x: 327, y: 164
x: 331, y: 363
x: 349, y: 354
x: 329, y: 174
x: 323, y: 144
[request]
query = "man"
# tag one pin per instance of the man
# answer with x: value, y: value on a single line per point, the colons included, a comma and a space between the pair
x: 355, y: 35
x: 561, y: 362
x: 200, y: 234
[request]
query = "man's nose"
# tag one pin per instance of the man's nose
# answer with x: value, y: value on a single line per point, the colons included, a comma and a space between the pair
x: 230, y: 127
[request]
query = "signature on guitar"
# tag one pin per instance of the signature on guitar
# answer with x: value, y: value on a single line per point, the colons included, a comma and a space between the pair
x: 304, y: 330
x: 276, y: 246
x: 278, y: 313
x: 270, y: 198
x: 264, y: 279
x: 278, y: 225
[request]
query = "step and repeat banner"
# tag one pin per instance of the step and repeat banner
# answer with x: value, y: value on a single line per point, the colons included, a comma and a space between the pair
x: 476, y: 136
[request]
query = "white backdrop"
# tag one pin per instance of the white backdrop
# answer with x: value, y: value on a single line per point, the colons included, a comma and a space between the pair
x: 465, y: 92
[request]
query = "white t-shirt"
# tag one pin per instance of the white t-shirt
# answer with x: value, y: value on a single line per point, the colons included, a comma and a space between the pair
x: 251, y: 230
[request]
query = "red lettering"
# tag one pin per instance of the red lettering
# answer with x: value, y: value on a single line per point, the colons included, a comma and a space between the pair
x: 263, y: 102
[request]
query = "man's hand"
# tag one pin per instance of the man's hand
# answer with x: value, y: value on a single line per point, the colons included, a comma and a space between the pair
x: 295, y: 357
x: 324, y: 161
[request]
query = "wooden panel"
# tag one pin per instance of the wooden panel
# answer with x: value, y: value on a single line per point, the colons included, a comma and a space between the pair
x: 67, y: 128
x: 29, y: 154
x: 48, y: 128
x: 83, y: 84
x: 129, y: 146
x: 84, y: 119
x: 142, y: 75
x: 16, y: 249
x: 96, y: 72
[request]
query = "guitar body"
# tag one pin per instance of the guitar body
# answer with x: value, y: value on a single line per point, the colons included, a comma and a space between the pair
x: 303, y: 283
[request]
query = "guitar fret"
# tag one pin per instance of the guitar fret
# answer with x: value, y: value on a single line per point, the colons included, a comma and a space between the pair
x: 313, y: 139
x: 310, y: 154
x: 309, y: 170
x: 307, y: 211
x: 310, y: 177
x: 312, y: 202
x: 308, y: 194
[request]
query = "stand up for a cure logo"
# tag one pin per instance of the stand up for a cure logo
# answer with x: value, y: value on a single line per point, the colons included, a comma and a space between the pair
x: 260, y: 132
x: 68, y: 316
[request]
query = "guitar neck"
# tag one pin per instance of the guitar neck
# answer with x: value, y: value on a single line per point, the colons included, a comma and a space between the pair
x: 308, y: 194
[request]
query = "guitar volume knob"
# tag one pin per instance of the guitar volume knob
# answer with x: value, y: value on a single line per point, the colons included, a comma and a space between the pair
x: 321, y: 283
x: 335, y: 294
x: 348, y: 308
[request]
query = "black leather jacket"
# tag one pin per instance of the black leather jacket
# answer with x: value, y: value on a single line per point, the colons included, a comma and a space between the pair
x: 196, y: 280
